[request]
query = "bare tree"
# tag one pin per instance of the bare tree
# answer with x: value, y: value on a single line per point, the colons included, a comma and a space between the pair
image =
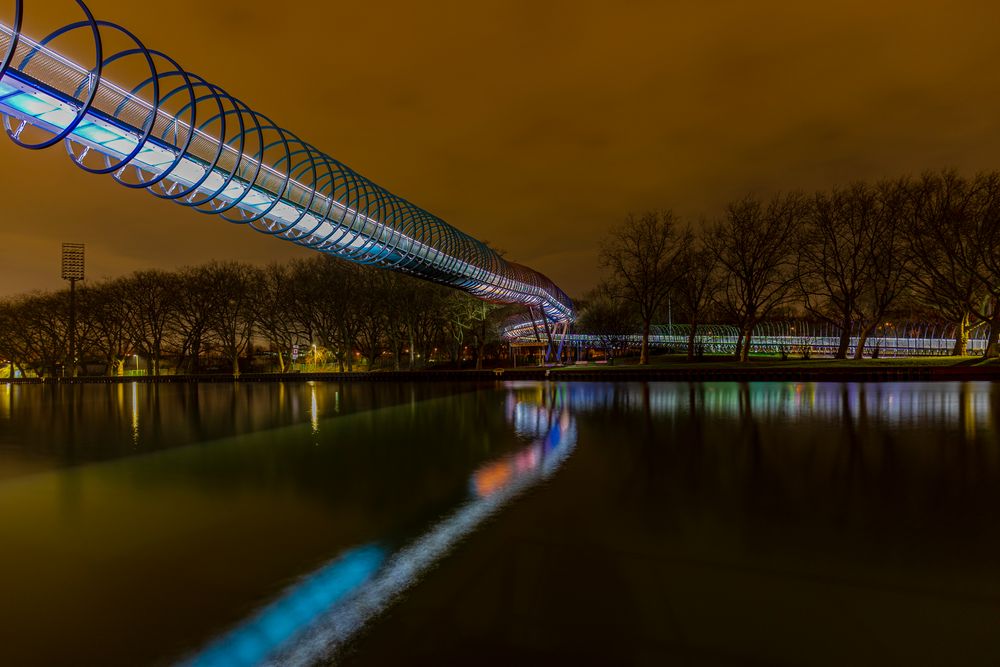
x: 693, y: 292
x: 458, y: 321
x: 305, y: 299
x: 373, y: 319
x: 222, y: 306
x: 641, y: 255
x: 484, y: 320
x: 15, y: 346
x: 38, y: 330
x: 345, y: 308
x: 834, y: 256
x: 328, y: 302
x: 943, y: 244
x: 887, y: 277
x: 106, y: 310
x: 754, y: 244
x: 985, y: 212
x: 396, y: 296
x: 425, y: 319
x: 234, y: 316
x: 197, y: 300
x: 612, y: 321
x: 151, y: 298
x: 956, y: 228
x: 276, y: 319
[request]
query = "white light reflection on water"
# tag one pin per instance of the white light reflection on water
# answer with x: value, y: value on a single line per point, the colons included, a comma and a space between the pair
x: 6, y: 401
x: 314, y: 409
x: 135, y: 414
x: 882, y: 403
x: 313, y: 619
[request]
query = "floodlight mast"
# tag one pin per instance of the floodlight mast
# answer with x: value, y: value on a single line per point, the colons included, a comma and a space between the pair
x: 188, y: 141
x: 72, y: 270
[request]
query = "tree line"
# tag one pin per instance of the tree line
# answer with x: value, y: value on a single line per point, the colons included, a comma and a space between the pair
x: 852, y: 256
x: 193, y: 319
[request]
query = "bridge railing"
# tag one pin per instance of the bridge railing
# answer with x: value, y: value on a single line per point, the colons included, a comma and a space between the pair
x: 789, y: 337
x: 186, y: 140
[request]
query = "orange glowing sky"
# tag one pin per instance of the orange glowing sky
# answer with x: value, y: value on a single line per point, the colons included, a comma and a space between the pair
x: 536, y: 125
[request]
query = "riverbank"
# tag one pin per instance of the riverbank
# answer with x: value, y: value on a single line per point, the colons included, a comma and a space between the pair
x: 664, y: 369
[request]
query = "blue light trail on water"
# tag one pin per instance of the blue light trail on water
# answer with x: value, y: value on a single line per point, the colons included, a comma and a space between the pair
x: 278, y: 623
x: 312, y: 620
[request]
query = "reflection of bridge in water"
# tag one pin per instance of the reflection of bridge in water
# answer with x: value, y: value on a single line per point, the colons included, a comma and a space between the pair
x: 186, y: 140
x: 795, y: 338
x: 316, y: 616
x: 872, y: 404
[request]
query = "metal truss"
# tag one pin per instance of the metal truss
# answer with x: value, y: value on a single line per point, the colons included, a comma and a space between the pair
x: 187, y: 140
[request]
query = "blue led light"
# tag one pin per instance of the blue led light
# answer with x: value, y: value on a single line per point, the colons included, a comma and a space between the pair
x: 95, y: 133
x: 59, y: 117
x: 275, y: 183
x: 154, y: 158
x: 122, y: 145
x: 28, y: 104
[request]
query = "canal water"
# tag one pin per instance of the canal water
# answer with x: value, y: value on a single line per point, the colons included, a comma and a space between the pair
x: 435, y: 523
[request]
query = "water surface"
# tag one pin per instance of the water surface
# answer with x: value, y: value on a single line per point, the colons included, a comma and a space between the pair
x: 695, y: 523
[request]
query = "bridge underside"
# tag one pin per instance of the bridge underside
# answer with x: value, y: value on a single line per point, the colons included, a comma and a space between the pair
x: 186, y: 140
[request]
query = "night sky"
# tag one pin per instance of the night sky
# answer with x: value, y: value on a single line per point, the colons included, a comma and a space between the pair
x: 535, y: 125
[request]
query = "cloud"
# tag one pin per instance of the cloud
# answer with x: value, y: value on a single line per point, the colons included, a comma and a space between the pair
x: 539, y: 126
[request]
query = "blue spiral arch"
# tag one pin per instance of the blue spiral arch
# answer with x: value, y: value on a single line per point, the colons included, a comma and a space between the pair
x: 220, y: 157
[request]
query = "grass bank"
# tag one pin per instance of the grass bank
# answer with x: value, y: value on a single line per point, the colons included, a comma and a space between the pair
x: 662, y: 367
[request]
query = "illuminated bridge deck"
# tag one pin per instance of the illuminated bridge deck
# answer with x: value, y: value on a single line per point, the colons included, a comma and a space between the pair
x: 188, y: 141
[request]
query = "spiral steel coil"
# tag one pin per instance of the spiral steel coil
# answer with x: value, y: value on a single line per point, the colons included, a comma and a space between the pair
x: 187, y: 140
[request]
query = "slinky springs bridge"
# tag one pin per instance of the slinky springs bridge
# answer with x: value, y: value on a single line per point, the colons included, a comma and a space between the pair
x: 135, y: 115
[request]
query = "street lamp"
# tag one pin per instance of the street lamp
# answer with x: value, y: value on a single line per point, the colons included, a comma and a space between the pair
x: 136, y: 363
x: 314, y: 357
